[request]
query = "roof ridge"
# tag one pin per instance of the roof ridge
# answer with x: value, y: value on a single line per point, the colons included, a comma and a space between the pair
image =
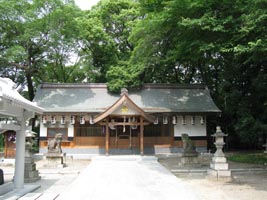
x: 70, y: 85
x: 174, y: 86
x: 145, y: 86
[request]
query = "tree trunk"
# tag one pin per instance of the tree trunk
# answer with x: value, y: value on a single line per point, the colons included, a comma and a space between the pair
x: 30, y: 86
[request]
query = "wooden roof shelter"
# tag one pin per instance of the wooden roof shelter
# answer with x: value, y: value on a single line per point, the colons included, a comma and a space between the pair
x: 15, y: 110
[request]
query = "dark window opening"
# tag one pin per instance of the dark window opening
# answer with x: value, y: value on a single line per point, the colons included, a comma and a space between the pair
x: 118, y: 131
x: 89, y: 130
x: 51, y: 132
x: 157, y: 130
x: 152, y: 130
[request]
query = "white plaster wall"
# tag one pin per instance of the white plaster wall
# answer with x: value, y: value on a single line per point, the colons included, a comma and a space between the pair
x: 43, y: 130
x: 192, y: 130
x: 71, y: 131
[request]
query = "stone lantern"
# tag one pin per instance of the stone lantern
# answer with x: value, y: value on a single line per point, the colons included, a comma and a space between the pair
x: 30, y: 172
x: 219, y: 167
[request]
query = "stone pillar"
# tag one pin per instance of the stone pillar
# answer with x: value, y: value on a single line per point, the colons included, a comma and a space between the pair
x: 219, y: 167
x: 20, y: 154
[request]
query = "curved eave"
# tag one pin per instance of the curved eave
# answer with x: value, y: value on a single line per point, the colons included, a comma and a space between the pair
x: 9, y: 94
x: 23, y: 103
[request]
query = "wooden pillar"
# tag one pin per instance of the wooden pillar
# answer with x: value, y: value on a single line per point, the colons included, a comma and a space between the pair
x: 107, y: 139
x: 141, y: 136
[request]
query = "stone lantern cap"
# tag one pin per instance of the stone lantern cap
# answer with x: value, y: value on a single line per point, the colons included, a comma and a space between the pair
x: 30, y: 134
x: 219, y: 132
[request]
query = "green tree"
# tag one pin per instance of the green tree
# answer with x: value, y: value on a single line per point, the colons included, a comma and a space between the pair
x: 127, y: 43
x: 37, y: 39
x: 218, y: 43
x: 106, y: 47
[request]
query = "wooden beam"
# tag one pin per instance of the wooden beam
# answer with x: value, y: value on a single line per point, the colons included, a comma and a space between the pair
x: 124, y: 123
x: 107, y: 139
x: 141, y: 136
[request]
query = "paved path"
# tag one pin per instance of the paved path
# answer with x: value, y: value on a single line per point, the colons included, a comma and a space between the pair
x: 127, y: 178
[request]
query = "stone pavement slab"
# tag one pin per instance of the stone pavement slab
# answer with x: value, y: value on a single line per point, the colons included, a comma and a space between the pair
x: 47, y: 196
x: 31, y: 196
x: 17, y: 193
x: 127, y: 177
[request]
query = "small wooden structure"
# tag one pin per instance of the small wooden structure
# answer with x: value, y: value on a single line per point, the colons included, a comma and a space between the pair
x: 15, y: 110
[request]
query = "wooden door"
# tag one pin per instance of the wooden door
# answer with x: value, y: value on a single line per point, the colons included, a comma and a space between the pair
x: 123, y: 137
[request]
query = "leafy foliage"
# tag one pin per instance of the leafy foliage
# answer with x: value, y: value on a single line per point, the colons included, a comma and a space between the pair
x: 126, y: 43
x: 218, y: 43
x: 37, y: 39
x: 105, y: 36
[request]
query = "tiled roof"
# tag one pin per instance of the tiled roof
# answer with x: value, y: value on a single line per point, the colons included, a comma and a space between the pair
x: 151, y: 98
x: 8, y: 92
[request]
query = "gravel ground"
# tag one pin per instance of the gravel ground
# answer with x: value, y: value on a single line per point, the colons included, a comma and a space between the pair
x: 53, y: 180
x: 248, y: 181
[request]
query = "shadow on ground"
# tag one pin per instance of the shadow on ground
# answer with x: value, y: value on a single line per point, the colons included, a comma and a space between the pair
x: 247, y: 179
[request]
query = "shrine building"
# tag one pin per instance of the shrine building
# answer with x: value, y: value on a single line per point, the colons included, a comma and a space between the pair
x: 141, y: 121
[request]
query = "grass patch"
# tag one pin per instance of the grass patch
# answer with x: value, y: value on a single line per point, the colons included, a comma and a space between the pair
x: 255, y: 158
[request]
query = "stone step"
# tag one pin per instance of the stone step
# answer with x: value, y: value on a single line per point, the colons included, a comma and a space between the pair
x: 125, y: 158
x: 31, y: 196
x: 48, y: 196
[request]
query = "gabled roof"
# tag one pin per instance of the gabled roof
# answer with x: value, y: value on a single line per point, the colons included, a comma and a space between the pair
x: 124, y: 106
x: 152, y: 98
x: 12, y: 104
x: 9, y: 93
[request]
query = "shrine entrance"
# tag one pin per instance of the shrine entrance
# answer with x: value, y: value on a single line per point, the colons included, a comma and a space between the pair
x: 124, y: 124
x: 124, y: 137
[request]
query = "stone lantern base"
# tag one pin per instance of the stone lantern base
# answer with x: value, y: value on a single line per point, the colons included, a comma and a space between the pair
x: 220, y: 174
x: 30, y: 172
x: 55, y: 160
x: 219, y: 168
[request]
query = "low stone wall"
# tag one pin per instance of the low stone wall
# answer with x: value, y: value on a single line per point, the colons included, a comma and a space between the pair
x: 101, y: 151
x: 6, y: 187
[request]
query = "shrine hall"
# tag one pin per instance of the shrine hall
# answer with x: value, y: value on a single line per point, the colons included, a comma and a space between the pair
x: 145, y: 120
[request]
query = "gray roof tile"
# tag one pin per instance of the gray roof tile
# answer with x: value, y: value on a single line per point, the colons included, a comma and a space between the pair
x: 151, y: 98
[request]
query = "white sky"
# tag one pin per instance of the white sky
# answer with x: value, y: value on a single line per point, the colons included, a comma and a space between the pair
x: 86, y: 4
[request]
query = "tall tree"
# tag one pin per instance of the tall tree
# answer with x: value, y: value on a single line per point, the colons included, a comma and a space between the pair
x: 219, y: 43
x: 107, y: 49
x: 34, y: 36
x: 127, y: 42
